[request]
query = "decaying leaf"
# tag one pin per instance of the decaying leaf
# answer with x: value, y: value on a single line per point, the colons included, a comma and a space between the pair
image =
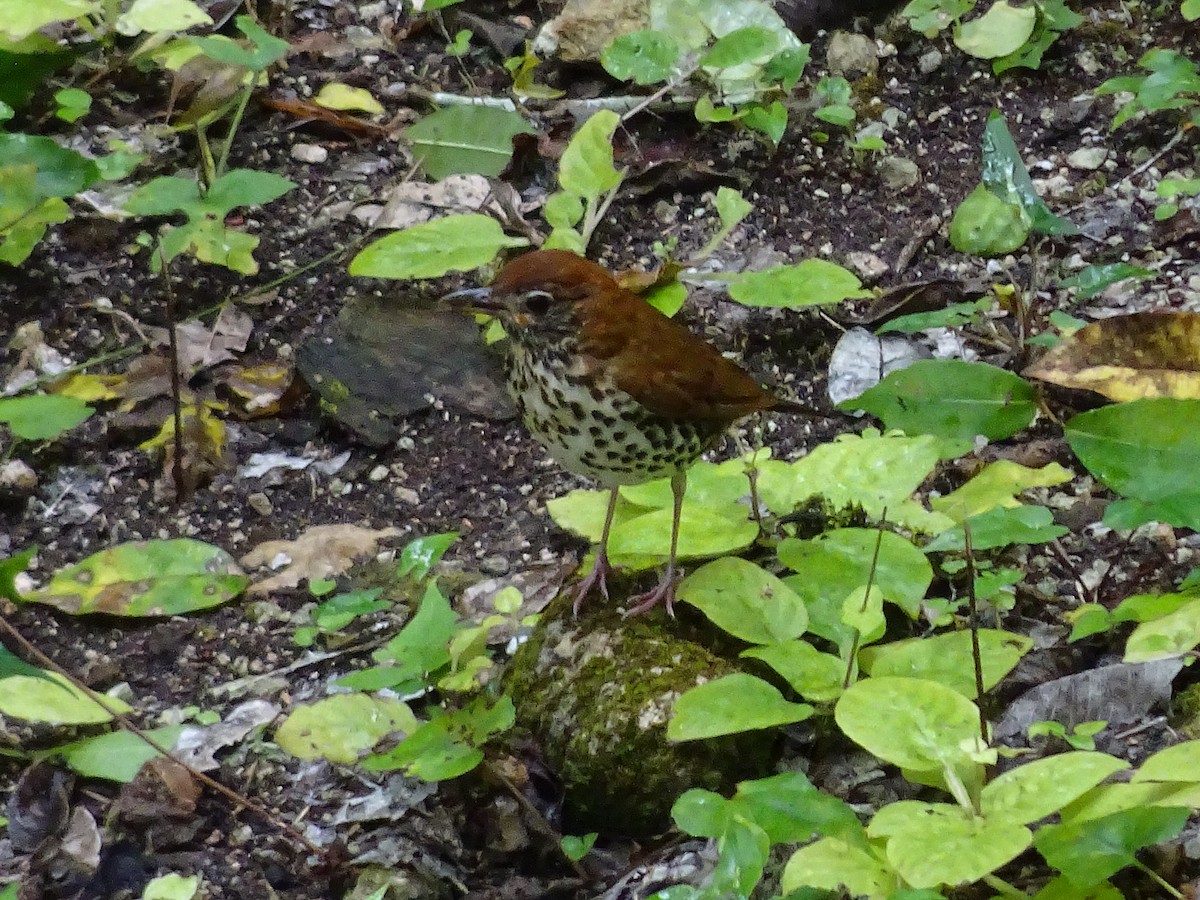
x: 145, y: 578
x: 321, y: 552
x: 201, y: 347
x: 204, y: 443
x: 1146, y: 354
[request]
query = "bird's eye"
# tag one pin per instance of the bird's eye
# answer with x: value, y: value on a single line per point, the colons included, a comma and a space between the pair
x: 538, y: 302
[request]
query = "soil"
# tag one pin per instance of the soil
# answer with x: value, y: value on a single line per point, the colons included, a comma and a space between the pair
x: 486, y: 479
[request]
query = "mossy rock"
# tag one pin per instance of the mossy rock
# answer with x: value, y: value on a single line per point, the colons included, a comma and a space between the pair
x: 596, y: 694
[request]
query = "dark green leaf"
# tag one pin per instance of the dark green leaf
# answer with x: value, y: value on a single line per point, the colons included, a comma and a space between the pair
x: 1005, y: 175
x: 953, y: 400
x: 1089, y: 852
x: 466, y: 139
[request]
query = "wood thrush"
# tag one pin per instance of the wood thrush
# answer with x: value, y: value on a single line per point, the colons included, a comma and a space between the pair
x: 614, y: 389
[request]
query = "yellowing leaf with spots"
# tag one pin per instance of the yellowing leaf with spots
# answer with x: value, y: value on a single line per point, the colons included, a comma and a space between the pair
x: 997, y: 484
x: 1148, y: 354
x: 145, y: 578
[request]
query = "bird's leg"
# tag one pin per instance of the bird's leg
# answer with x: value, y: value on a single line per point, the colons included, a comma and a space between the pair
x: 665, y: 592
x: 600, y: 568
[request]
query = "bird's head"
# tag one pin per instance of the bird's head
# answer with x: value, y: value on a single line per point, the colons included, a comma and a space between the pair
x: 538, y: 293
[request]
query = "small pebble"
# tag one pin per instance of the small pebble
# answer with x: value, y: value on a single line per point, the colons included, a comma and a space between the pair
x: 378, y: 473
x: 309, y: 153
x: 260, y: 503
x: 1087, y: 158
x: 17, y: 479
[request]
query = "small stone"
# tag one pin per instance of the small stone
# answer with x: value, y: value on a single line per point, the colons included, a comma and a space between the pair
x: 929, y: 61
x: 406, y: 495
x: 852, y: 55
x: 17, y: 479
x: 378, y: 473
x: 260, y: 503
x: 309, y: 153
x: 495, y: 565
x: 898, y: 173
x: 868, y: 265
x: 1087, y: 158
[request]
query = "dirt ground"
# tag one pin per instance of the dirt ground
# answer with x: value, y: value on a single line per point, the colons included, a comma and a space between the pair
x: 485, y: 478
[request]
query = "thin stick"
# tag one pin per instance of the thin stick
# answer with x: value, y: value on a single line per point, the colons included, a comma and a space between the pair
x: 176, y: 381
x: 976, y: 653
x: 866, y: 597
x: 233, y: 796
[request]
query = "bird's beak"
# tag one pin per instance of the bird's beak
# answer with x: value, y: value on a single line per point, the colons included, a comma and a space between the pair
x: 478, y: 299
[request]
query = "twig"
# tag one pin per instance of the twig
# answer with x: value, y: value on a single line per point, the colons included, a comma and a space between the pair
x: 538, y: 820
x: 123, y: 720
x: 866, y: 598
x: 176, y: 381
x: 976, y: 653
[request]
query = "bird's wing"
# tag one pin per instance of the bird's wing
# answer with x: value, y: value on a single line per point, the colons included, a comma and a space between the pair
x: 667, y: 369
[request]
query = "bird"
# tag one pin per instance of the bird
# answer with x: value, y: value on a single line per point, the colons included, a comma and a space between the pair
x: 614, y: 389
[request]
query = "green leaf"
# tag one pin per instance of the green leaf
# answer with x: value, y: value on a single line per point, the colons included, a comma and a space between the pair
x: 948, y: 659
x: 22, y: 18
x: 60, y: 172
x: 172, y: 886
x: 814, y: 675
x: 51, y: 699
x: 770, y: 120
x: 1147, y: 451
x: 1190, y: 10
x: 244, y: 187
x: 871, y: 471
x: 157, y: 16
x: 931, y: 844
x: 116, y: 756
x: 743, y: 45
x: 643, y: 57
x: 1000, y: 527
x: 447, y: 746
x: 73, y: 104
x: 833, y: 864
x: 1093, y: 279
x: 575, y: 847
x: 430, y: 250
x: 836, y: 562
x: 267, y: 48
x: 997, y: 484
x: 586, y: 168
x: 952, y: 316
x: 343, y: 727
x: 745, y: 600
x: 466, y: 139
x: 1041, y: 788
x: 909, y: 722
x: 1170, y: 636
x: 986, y: 225
x: 786, y: 67
x: 145, y: 578
x: 421, y: 554
x: 42, y: 417
x: 813, y: 282
x: 731, y: 704
x: 998, y: 32
x: 701, y: 813
x: 789, y: 809
x: 10, y: 568
x: 931, y: 16
x: 1178, y: 763
x: 562, y: 210
x: 952, y: 399
x: 421, y: 647
x: 1089, y: 852
x: 1004, y: 173
x: 704, y: 530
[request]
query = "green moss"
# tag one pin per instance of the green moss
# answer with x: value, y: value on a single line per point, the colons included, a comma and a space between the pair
x: 596, y: 694
x: 1185, y: 712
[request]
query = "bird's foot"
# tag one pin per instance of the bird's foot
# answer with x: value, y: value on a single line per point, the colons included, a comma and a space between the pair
x: 664, y: 593
x: 598, y: 576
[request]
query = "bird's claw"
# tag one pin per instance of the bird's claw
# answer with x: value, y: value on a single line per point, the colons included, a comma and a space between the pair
x: 598, y: 576
x: 664, y: 593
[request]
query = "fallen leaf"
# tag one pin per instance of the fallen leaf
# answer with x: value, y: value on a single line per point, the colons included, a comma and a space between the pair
x: 321, y: 552
x: 1147, y: 354
x: 201, y: 347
